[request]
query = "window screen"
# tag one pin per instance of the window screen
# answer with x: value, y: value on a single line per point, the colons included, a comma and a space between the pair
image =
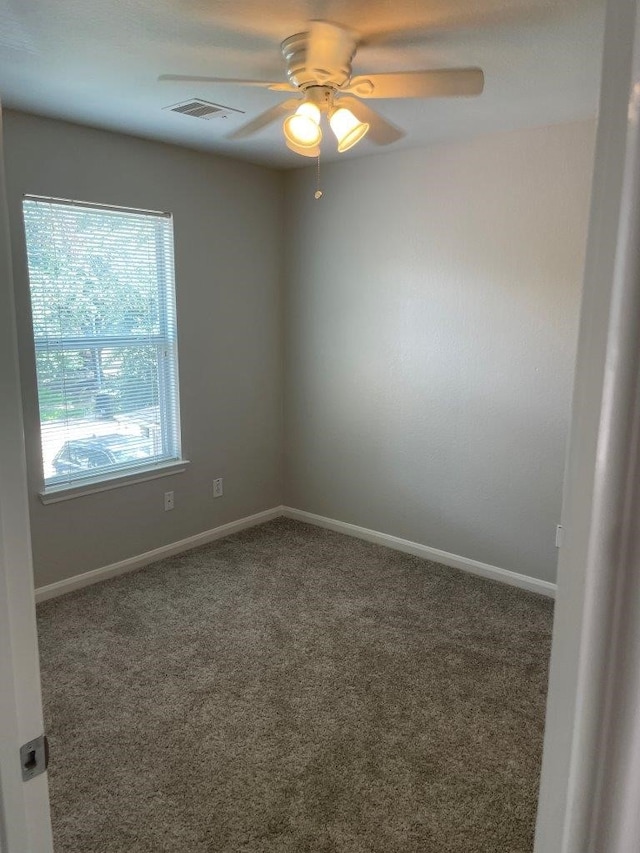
x: 104, y: 325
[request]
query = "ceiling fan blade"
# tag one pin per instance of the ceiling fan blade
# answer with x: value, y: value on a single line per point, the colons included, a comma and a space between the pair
x: 265, y: 118
x: 264, y: 84
x: 442, y: 83
x: 381, y: 131
x: 330, y: 47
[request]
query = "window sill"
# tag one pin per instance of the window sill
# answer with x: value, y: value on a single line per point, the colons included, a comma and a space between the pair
x: 55, y: 494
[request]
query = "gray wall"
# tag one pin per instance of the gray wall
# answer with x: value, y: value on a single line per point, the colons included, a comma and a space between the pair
x: 228, y: 239
x: 431, y: 318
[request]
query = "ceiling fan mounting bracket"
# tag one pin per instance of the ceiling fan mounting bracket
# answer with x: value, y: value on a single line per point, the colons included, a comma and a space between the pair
x: 322, y: 96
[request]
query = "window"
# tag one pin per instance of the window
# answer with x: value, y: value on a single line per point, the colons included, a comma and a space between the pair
x: 104, y: 326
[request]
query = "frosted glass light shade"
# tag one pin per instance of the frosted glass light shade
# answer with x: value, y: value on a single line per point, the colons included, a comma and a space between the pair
x: 305, y: 150
x: 302, y: 129
x: 348, y: 130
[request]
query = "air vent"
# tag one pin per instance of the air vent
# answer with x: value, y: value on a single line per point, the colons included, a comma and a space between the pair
x: 197, y: 108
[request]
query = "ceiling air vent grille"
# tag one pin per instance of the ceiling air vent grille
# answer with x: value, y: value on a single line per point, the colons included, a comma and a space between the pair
x: 198, y: 108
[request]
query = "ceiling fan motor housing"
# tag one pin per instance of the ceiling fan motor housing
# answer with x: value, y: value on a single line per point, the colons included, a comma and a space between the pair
x: 303, y: 71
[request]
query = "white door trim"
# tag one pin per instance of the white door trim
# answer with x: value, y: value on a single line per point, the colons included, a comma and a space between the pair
x: 590, y: 785
x: 25, y: 824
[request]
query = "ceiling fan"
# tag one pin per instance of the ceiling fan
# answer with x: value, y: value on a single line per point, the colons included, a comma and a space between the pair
x: 319, y: 71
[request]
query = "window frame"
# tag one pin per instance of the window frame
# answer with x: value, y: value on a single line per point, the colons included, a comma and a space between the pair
x: 165, y: 345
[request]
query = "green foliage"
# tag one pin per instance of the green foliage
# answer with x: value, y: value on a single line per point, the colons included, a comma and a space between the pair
x: 94, y: 279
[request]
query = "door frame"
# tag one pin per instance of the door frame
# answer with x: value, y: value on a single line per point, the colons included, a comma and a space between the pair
x: 25, y: 824
x: 592, y: 732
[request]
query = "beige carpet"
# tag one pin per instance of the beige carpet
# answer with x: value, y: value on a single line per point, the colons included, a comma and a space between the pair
x: 291, y: 689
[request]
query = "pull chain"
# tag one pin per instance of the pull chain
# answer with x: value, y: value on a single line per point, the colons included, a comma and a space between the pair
x: 318, y: 192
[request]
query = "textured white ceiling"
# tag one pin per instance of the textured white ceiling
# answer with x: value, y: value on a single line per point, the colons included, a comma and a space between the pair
x: 97, y: 62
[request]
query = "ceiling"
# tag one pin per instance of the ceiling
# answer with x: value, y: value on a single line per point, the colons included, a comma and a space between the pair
x: 96, y: 62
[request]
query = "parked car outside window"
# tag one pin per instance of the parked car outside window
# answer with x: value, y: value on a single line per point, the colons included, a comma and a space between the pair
x: 82, y: 454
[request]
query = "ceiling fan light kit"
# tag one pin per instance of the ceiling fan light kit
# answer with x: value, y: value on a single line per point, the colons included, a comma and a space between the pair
x: 347, y: 129
x: 303, y: 150
x: 319, y: 68
x: 303, y: 127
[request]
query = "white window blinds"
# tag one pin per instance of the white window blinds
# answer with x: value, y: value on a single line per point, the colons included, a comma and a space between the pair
x: 104, y: 325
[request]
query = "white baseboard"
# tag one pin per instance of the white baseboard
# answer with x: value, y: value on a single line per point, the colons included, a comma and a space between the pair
x: 467, y: 565
x: 53, y: 590
x: 132, y: 563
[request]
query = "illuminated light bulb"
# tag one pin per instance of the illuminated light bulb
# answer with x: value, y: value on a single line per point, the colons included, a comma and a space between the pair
x: 347, y: 128
x: 302, y: 129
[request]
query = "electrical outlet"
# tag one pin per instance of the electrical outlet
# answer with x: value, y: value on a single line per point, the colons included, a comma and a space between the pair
x: 217, y: 488
x: 168, y: 501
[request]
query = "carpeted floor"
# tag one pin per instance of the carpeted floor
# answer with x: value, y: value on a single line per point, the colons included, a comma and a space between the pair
x: 290, y: 689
